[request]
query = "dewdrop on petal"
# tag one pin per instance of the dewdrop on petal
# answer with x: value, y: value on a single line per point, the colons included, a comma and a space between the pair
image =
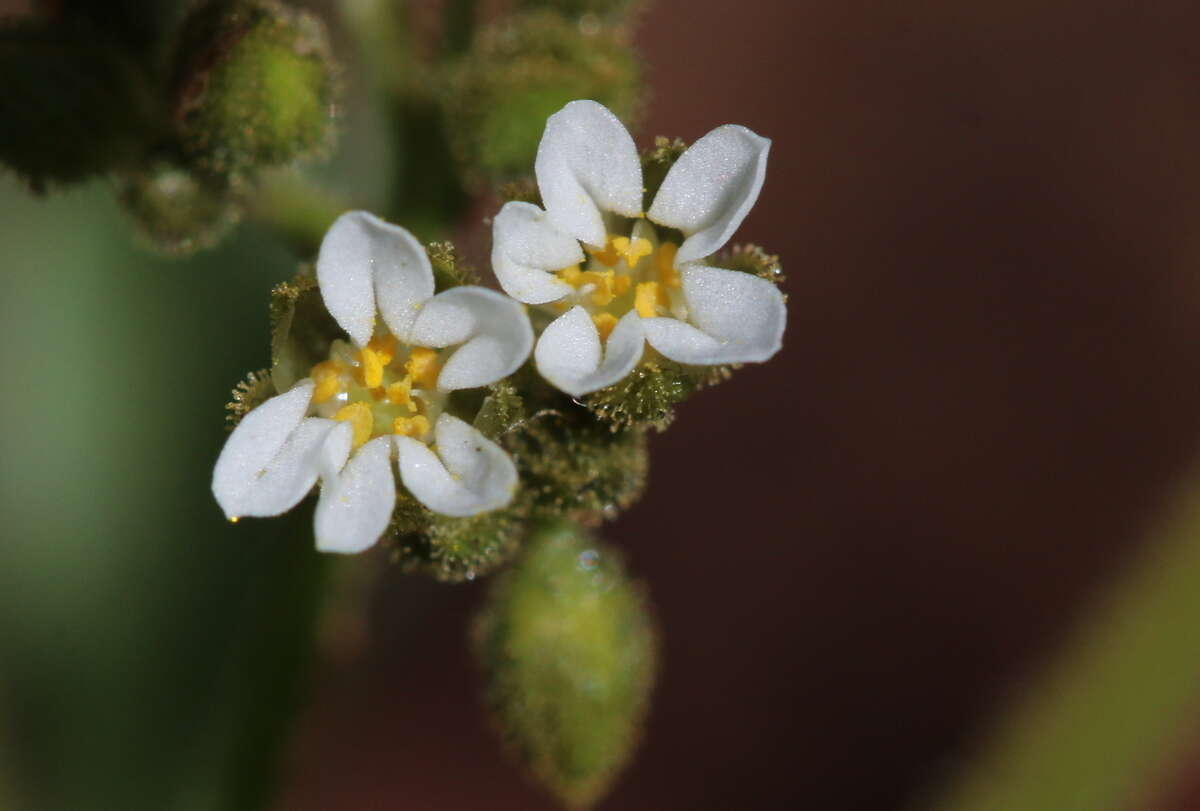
x: 377, y: 401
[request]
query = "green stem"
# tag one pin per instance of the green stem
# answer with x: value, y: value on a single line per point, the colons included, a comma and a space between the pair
x: 1097, y: 730
x: 295, y: 210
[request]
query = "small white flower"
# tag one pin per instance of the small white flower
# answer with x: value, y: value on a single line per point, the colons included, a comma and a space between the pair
x: 385, y: 392
x: 634, y: 284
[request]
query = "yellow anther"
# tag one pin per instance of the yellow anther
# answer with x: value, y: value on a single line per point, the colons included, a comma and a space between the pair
x: 602, y: 282
x: 417, y: 426
x: 571, y: 275
x: 360, y: 419
x: 621, y: 285
x: 632, y: 251
x: 372, y: 367
x: 326, y: 375
x: 400, y: 392
x: 384, y: 346
x: 648, y: 298
x: 664, y: 263
x: 604, y: 324
x: 422, y: 367
x: 606, y: 255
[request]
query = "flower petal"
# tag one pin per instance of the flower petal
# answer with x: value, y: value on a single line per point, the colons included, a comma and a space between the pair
x: 586, y: 164
x: 472, y: 475
x: 738, y: 318
x: 367, y: 264
x: 355, y: 507
x: 251, y: 449
x: 526, y: 247
x: 336, y: 450
x: 711, y: 189
x: 493, y: 329
x: 569, y: 353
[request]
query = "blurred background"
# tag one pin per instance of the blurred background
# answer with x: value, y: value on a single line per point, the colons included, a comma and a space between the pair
x: 863, y: 555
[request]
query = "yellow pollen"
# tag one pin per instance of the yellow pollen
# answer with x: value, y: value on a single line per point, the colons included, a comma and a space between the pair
x: 606, y: 255
x: 372, y: 368
x: 360, y: 419
x: 604, y: 324
x: 664, y: 262
x: 571, y: 275
x: 632, y: 251
x: 400, y: 392
x: 417, y: 426
x: 326, y: 375
x: 621, y: 285
x: 603, y: 282
x: 422, y: 366
x: 384, y: 346
x: 235, y: 519
x: 648, y: 298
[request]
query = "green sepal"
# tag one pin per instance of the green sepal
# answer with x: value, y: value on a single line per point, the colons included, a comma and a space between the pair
x: 449, y: 268
x: 255, y: 86
x: 453, y: 550
x: 74, y: 104
x: 572, y: 464
x: 568, y: 647
x: 648, y: 395
x: 518, y: 72
x: 251, y: 392
x: 656, y: 162
x: 750, y: 259
x: 177, y: 210
x: 502, y: 410
x: 302, y: 330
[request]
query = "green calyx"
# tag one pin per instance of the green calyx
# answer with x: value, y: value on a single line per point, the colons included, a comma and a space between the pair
x: 648, y: 395
x: 177, y: 210
x: 520, y: 71
x: 750, y: 259
x: 74, y: 103
x: 255, y: 86
x: 453, y: 550
x: 571, y: 464
x: 568, y: 648
x: 248, y: 395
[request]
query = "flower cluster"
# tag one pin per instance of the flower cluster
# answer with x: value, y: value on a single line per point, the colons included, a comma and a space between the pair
x: 388, y: 389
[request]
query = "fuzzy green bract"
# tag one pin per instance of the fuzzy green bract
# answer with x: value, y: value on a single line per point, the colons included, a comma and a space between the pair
x: 569, y: 649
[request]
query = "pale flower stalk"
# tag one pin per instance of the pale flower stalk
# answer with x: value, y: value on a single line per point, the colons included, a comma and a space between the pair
x: 379, y: 400
x: 622, y: 276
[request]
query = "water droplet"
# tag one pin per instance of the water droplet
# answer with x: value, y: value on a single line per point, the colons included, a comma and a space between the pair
x: 470, y: 574
x: 588, y: 560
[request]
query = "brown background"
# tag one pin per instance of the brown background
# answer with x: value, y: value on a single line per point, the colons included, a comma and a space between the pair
x: 988, y: 214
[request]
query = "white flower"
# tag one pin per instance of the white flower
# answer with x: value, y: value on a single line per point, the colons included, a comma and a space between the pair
x: 638, y: 284
x: 381, y: 396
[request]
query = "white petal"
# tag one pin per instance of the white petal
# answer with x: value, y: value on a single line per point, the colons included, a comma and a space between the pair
x: 336, y: 451
x: 472, y: 475
x: 281, y: 483
x: 526, y: 248
x: 738, y: 318
x: 569, y: 353
x: 365, y: 264
x: 711, y: 189
x: 252, y: 447
x: 493, y: 329
x: 355, y: 507
x: 587, y: 163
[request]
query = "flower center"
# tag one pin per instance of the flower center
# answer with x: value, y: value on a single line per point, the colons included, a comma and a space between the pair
x: 635, y: 272
x: 383, y: 388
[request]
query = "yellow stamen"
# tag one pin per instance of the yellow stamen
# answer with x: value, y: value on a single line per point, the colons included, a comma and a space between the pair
x: 602, y: 280
x: 604, y: 324
x: 422, y: 367
x: 571, y: 275
x: 384, y: 346
x: 632, y: 251
x: 648, y: 298
x: 360, y: 419
x: 400, y: 392
x: 417, y: 426
x: 372, y: 368
x: 664, y: 262
x: 606, y: 255
x: 621, y: 285
x: 326, y: 375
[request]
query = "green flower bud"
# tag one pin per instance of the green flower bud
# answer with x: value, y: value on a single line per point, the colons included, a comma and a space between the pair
x: 73, y: 103
x: 568, y: 647
x: 177, y: 210
x: 519, y: 72
x: 254, y: 87
x: 572, y: 463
